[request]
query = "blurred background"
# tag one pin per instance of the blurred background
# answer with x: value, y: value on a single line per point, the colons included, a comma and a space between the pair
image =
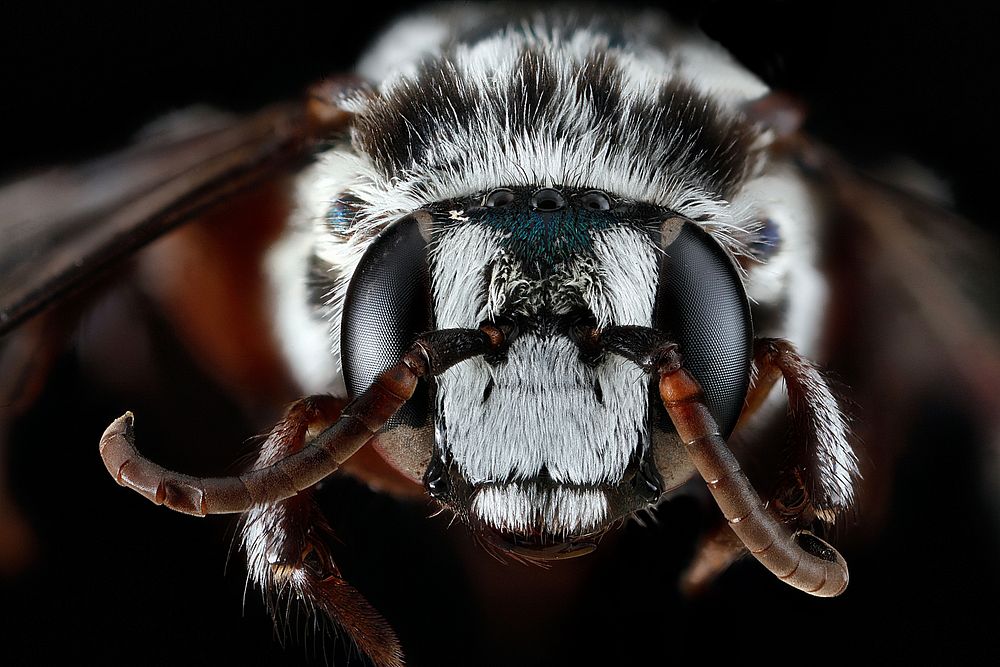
x: 880, y: 82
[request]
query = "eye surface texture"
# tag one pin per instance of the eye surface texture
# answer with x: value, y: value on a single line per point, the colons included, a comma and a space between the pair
x: 386, y: 308
x: 702, y: 305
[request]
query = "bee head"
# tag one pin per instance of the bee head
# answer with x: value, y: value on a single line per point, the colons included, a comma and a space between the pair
x: 553, y: 180
x: 543, y: 447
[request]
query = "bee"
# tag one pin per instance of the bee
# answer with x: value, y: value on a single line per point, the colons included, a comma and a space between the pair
x: 541, y: 267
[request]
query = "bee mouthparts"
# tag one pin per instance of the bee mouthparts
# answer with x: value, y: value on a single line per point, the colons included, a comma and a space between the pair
x: 536, y: 516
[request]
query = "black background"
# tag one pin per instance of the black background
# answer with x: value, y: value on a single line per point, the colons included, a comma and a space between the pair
x: 879, y: 81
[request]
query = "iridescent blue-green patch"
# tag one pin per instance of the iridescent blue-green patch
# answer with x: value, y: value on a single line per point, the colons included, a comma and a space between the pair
x: 547, y: 238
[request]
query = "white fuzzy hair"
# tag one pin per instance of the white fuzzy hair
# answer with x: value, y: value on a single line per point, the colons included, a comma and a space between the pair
x: 455, y: 152
x: 576, y: 158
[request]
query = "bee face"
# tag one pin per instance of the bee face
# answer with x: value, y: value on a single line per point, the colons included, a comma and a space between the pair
x: 541, y: 441
x: 550, y: 441
x: 512, y: 140
x: 543, y: 169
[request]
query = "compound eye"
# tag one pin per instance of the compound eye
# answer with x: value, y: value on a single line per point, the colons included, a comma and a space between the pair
x: 701, y: 304
x: 547, y: 199
x: 499, y: 197
x: 595, y: 200
x: 387, y: 306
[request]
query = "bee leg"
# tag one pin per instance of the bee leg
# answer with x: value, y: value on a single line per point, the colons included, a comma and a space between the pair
x: 306, y: 466
x: 362, y: 418
x: 283, y: 530
x: 821, y: 471
x: 800, y: 559
x: 804, y: 487
x: 286, y: 545
x: 716, y: 551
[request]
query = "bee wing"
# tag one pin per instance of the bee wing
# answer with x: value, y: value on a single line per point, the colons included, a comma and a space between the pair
x: 62, y: 227
x: 927, y: 267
